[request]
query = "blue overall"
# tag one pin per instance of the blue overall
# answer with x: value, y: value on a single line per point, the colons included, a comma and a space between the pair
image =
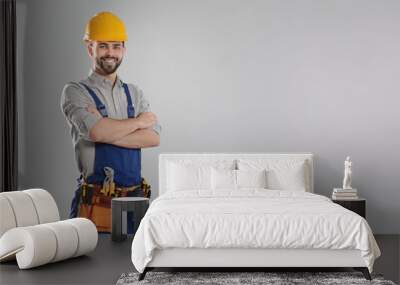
x: 125, y: 162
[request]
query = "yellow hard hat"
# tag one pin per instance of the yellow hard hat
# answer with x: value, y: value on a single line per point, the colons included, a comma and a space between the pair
x: 105, y: 26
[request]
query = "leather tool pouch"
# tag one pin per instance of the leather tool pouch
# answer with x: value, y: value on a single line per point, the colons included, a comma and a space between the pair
x: 96, y: 205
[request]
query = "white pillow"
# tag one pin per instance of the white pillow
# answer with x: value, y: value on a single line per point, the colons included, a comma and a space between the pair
x: 185, y: 174
x: 223, y: 179
x: 251, y: 178
x: 184, y: 177
x: 282, y: 174
x: 236, y: 179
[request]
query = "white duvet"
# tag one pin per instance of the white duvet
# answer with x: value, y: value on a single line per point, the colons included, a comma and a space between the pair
x: 251, y: 218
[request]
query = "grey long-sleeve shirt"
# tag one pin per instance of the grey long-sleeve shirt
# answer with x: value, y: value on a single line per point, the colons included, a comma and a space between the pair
x: 74, y: 102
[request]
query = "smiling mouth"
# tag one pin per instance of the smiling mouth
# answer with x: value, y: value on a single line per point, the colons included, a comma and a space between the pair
x: 109, y: 60
x: 108, y: 65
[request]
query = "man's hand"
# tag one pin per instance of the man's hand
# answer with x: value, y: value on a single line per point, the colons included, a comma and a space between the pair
x: 140, y: 139
x: 92, y: 109
x: 146, y: 120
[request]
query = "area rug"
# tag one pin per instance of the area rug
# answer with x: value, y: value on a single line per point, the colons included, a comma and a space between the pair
x: 269, y: 278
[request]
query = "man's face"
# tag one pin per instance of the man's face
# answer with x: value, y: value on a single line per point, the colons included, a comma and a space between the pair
x: 107, y: 56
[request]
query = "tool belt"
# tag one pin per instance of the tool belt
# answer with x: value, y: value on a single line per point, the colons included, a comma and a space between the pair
x: 95, y: 202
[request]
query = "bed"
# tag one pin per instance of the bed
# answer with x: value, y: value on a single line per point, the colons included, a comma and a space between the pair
x: 244, y: 211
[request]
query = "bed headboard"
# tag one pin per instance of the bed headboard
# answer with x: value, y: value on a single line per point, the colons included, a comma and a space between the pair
x: 164, y: 158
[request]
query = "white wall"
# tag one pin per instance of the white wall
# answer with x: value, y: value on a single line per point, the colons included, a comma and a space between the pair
x: 231, y: 76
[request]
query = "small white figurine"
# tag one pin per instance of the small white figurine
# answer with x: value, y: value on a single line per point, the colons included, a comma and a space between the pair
x: 347, y: 173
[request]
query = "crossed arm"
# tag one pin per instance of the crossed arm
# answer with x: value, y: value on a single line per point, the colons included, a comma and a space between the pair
x: 130, y: 133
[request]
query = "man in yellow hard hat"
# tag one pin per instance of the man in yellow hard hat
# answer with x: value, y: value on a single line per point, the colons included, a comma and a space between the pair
x: 110, y: 122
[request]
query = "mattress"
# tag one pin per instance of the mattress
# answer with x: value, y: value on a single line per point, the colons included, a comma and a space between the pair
x: 252, y: 219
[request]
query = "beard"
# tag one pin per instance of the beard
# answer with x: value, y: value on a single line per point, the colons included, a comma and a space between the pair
x: 108, y: 67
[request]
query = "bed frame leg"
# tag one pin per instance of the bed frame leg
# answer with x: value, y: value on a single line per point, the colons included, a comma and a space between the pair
x: 143, y: 274
x: 364, y: 271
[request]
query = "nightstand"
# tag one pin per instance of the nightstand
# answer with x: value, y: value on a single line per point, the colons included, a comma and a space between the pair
x: 137, y: 205
x: 357, y: 205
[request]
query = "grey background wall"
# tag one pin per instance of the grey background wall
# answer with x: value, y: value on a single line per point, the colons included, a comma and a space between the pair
x: 230, y: 76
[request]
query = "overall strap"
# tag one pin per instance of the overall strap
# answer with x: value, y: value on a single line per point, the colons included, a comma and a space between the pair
x: 131, y: 109
x: 99, y: 105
